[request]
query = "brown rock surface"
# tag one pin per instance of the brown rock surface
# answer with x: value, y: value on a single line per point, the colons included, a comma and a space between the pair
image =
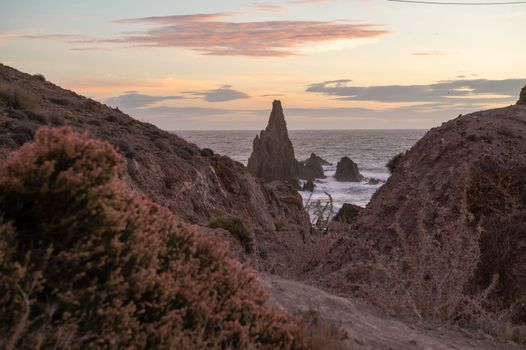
x: 522, y: 97
x: 272, y: 155
x: 197, y: 185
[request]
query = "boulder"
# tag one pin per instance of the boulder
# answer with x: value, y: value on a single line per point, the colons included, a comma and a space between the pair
x: 347, y: 170
x: 272, y: 155
x: 348, y: 213
x: 319, y: 159
x: 312, y: 168
x: 309, y: 186
x: 522, y: 97
x: 373, y: 181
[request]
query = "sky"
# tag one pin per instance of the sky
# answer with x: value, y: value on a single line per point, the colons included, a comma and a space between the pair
x: 218, y: 65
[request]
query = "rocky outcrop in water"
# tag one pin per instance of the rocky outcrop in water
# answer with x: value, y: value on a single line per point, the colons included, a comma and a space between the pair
x: 272, y: 155
x: 309, y: 186
x: 312, y: 168
x: 522, y: 97
x: 347, y: 170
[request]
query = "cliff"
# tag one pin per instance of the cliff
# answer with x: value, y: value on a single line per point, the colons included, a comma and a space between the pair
x: 448, y: 226
x: 195, y: 185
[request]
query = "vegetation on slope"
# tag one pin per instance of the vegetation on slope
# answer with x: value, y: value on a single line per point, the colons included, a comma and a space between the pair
x: 86, y: 263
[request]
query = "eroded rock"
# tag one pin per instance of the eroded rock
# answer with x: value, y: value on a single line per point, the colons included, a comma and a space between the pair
x: 347, y: 170
x: 348, y: 213
x: 522, y: 97
x: 272, y: 155
x: 312, y: 168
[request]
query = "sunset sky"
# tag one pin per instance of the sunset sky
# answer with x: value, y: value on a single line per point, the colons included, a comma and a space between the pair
x: 335, y: 64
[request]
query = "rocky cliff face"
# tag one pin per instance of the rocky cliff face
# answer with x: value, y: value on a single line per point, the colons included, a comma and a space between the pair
x: 195, y: 184
x: 522, y: 97
x: 452, y: 213
x: 272, y: 155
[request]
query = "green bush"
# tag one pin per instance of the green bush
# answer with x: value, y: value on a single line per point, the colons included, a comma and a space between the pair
x: 393, y: 163
x: 85, y: 263
x: 39, y: 77
x: 237, y: 228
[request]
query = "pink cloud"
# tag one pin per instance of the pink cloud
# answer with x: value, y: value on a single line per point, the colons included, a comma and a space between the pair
x: 267, y: 6
x: 208, y: 35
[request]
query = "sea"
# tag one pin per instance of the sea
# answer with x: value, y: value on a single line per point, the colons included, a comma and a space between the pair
x: 370, y: 149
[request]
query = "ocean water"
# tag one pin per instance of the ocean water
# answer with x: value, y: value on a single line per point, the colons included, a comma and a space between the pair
x: 370, y: 149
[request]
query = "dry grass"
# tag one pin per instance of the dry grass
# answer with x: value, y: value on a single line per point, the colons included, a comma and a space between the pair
x: 321, y: 334
x: 16, y: 98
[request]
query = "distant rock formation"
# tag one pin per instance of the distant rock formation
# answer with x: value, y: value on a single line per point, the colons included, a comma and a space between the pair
x: 272, y: 155
x: 347, y: 170
x: 309, y: 186
x: 348, y: 213
x: 311, y: 168
x: 522, y: 97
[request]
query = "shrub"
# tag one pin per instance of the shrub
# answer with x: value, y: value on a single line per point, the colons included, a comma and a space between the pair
x: 237, y: 228
x: 393, y: 163
x: 16, y: 98
x: 80, y: 251
x: 39, y: 77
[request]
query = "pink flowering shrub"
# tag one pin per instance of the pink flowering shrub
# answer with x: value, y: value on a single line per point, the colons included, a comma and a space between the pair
x: 87, y: 264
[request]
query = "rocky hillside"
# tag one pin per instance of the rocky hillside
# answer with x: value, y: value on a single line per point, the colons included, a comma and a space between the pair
x: 445, y: 237
x: 195, y: 184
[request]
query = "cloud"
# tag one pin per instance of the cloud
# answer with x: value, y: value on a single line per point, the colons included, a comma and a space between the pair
x: 428, y: 53
x: 447, y: 92
x: 223, y: 94
x: 135, y: 100
x: 267, y: 6
x: 210, y: 34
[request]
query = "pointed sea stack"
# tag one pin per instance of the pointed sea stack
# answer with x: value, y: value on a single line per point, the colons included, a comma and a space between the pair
x: 522, y: 97
x: 272, y: 155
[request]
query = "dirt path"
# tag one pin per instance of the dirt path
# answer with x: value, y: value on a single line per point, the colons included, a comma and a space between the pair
x: 366, y: 327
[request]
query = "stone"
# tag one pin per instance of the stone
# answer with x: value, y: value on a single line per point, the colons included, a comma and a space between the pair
x: 312, y: 168
x: 373, y: 181
x: 522, y: 97
x: 272, y: 155
x: 347, y: 170
x: 309, y: 186
x: 348, y: 213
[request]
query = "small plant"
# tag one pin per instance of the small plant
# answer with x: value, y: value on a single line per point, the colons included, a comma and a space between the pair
x: 16, y: 98
x: 394, y: 162
x: 39, y: 77
x: 237, y: 228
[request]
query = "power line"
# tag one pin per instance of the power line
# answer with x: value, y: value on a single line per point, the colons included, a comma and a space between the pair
x: 460, y: 3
